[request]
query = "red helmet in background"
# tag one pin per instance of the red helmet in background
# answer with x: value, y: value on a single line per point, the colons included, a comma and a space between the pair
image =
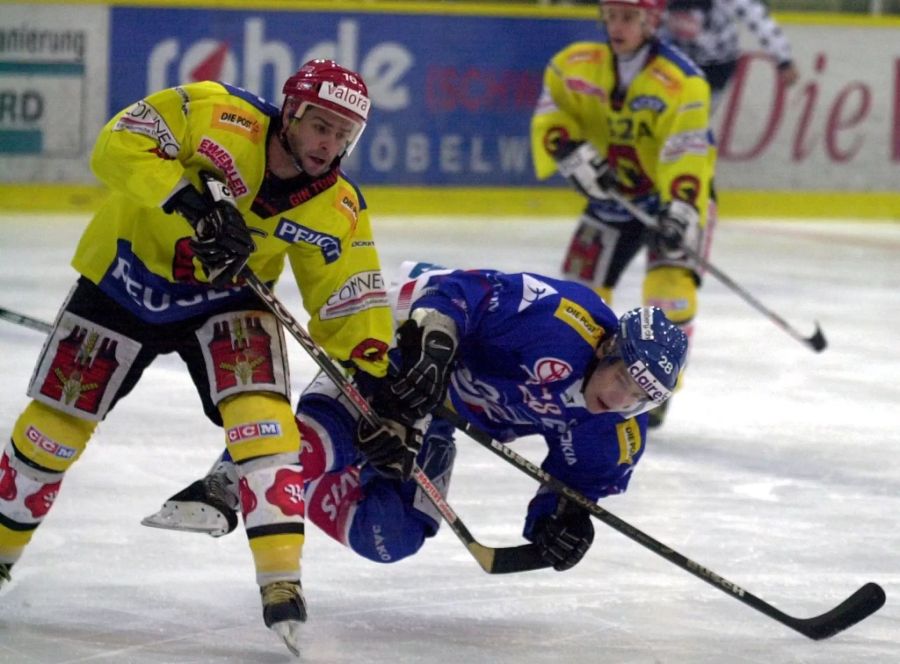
x: 650, y: 5
x: 328, y: 85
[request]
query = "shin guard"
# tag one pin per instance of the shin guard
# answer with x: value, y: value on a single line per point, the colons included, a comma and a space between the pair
x: 674, y: 290
x: 273, y: 506
x: 264, y: 443
x: 26, y: 495
x: 45, y: 442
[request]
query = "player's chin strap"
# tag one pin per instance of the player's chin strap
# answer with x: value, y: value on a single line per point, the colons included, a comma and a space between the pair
x: 493, y: 560
x: 282, y: 137
x: 816, y: 341
x: 861, y: 604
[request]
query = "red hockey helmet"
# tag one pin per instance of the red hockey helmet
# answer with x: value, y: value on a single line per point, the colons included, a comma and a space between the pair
x: 328, y: 85
x: 650, y: 5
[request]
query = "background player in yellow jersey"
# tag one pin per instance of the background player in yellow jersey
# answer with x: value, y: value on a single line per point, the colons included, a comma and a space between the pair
x: 206, y: 179
x: 630, y: 113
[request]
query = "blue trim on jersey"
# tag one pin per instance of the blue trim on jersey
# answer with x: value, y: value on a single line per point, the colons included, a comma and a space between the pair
x: 359, y: 195
x: 678, y: 58
x: 156, y: 300
x: 257, y: 102
x: 610, y: 211
x: 668, y: 51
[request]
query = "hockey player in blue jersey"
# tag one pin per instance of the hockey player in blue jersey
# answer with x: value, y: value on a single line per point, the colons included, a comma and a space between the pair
x: 515, y: 355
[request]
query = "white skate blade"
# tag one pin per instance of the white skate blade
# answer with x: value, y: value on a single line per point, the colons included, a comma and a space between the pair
x: 289, y: 631
x: 188, y: 516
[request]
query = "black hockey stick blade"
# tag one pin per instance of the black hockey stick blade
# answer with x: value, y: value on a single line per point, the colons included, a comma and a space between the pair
x: 493, y: 560
x: 817, y: 341
x: 523, y: 558
x: 507, y: 560
x: 860, y: 605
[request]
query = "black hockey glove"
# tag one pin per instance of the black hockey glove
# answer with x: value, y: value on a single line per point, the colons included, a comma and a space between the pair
x: 564, y: 536
x: 391, y: 448
x: 679, y: 227
x: 587, y: 170
x: 189, y: 203
x: 222, y: 241
x: 427, y: 344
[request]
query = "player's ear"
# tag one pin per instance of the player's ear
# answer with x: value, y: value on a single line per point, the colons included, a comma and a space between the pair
x: 605, y: 347
x: 654, y: 15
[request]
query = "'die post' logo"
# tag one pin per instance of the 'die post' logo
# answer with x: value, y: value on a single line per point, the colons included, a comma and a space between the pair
x: 628, y: 434
x: 345, y: 203
x: 580, y: 320
x: 237, y: 122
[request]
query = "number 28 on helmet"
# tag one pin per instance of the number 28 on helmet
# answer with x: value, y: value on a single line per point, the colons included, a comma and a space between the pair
x: 639, y: 366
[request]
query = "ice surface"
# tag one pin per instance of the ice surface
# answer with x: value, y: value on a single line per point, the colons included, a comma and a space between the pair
x: 778, y: 468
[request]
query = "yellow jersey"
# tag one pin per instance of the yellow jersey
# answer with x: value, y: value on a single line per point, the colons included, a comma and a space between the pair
x: 139, y: 255
x: 655, y: 134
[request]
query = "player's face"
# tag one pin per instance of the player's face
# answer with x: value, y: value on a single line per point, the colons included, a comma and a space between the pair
x: 318, y: 137
x: 628, y: 27
x: 610, y: 389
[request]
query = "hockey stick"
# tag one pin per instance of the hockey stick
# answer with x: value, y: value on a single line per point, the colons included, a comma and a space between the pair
x: 861, y: 604
x: 27, y: 321
x: 816, y: 341
x: 493, y: 560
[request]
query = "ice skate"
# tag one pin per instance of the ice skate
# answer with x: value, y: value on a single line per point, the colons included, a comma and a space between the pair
x: 207, y: 506
x: 284, y: 609
x: 5, y: 576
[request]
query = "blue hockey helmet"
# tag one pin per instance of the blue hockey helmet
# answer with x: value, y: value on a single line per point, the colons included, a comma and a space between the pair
x: 654, y: 351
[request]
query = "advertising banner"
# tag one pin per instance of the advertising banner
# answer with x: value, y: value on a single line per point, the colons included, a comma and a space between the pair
x: 836, y: 129
x: 52, y: 88
x: 452, y: 95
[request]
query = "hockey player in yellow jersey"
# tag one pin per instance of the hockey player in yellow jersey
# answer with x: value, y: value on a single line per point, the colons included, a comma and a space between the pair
x: 204, y: 180
x: 631, y: 114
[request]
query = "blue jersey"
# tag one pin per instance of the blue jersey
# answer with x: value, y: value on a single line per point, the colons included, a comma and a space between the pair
x: 525, y: 344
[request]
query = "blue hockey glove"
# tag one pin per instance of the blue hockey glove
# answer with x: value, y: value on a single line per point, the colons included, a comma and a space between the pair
x: 564, y: 536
